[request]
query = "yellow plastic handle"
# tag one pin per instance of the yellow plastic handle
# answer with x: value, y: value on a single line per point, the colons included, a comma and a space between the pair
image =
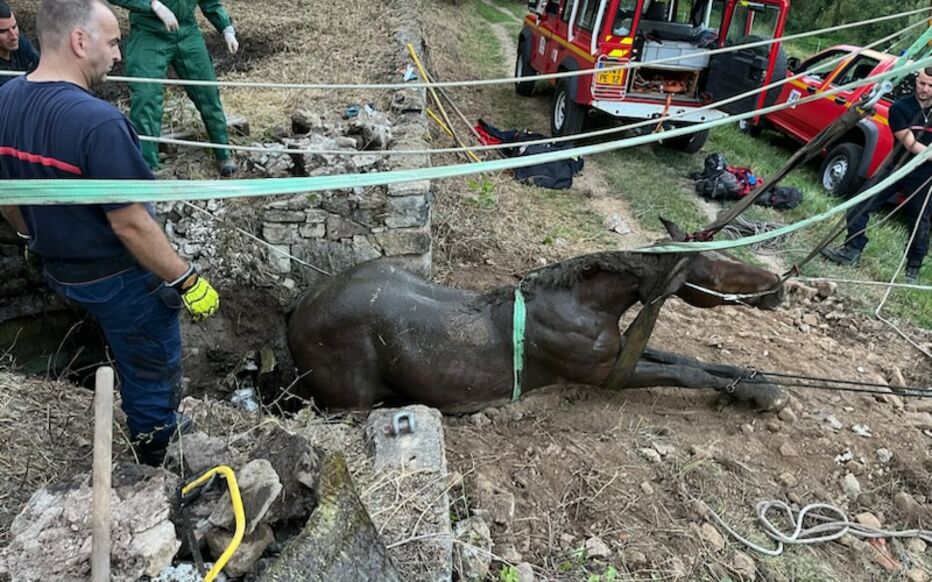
x: 238, y: 514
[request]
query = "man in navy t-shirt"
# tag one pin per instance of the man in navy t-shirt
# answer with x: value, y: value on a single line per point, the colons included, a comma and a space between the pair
x: 111, y: 259
x: 909, y: 121
x: 16, y: 52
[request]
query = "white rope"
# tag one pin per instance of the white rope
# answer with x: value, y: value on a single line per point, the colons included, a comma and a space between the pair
x: 503, y: 80
x: 259, y: 240
x: 883, y: 301
x: 833, y: 524
x: 827, y: 65
x: 866, y: 282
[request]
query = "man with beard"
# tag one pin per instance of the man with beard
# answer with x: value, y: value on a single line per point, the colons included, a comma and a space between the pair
x: 909, y: 122
x: 16, y: 52
x: 111, y: 259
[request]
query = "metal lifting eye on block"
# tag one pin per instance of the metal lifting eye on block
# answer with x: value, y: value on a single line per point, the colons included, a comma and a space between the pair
x: 402, y: 422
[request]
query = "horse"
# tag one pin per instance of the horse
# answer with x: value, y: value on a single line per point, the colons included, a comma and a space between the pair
x: 377, y: 334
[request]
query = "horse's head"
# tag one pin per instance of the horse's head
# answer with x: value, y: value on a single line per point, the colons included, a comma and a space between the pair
x: 723, y: 274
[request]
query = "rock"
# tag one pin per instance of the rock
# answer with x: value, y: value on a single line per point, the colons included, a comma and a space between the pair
x: 788, y: 480
x: 407, y: 211
x: 916, y: 546
x: 479, y: 420
x: 615, y: 223
x: 851, y: 486
x: 862, y: 430
x: 834, y: 422
x: 747, y: 428
x: 259, y: 485
x: 847, y: 540
x: 811, y: 319
x: 924, y: 405
x: 472, y: 552
x: 248, y: 552
x: 184, y: 572
x: 646, y: 488
x: 664, y: 449
x: 855, y: 467
x: 407, y: 445
x: 525, y: 572
x: 198, y: 452
x: 787, y: 450
x: 801, y: 289
x: 868, y: 519
x: 787, y: 415
x: 917, y: 575
x: 826, y: 288
x: 651, y: 455
x: 508, y: 553
x: 56, y: 522
x: 711, y: 535
x: 339, y: 542
x: 884, y: 456
x: 897, y: 378
x: 497, y: 501
x: 744, y: 565
x: 297, y: 464
x: 920, y: 420
x: 634, y: 559
x: 278, y: 259
x: 596, y: 548
x: 907, y: 505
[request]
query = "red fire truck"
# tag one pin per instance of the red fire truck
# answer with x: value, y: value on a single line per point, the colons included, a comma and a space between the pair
x: 577, y: 35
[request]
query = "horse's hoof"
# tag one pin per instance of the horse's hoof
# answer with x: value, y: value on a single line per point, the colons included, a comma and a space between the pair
x: 765, y: 397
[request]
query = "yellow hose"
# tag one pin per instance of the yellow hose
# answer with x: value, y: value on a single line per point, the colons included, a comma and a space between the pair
x: 238, y: 514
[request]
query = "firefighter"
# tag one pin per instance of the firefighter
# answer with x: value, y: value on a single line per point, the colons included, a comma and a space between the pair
x: 163, y: 34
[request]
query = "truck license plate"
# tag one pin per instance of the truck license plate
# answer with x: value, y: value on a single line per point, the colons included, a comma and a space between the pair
x: 610, y: 77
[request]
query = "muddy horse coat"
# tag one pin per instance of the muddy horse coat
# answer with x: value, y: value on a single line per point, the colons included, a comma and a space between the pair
x: 377, y: 334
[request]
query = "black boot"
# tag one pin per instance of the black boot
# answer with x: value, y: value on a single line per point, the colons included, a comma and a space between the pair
x: 912, y: 274
x: 845, y: 255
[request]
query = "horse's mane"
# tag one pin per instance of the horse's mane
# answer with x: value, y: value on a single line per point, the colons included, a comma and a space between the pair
x: 567, y: 274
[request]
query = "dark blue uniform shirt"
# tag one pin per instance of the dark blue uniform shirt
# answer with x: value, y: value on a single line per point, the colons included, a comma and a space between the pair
x: 54, y: 130
x: 25, y: 58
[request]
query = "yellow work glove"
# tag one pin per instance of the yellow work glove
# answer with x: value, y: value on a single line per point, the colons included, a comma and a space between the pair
x: 198, y: 296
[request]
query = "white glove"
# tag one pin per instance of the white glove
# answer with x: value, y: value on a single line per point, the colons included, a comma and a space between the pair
x: 165, y: 15
x: 229, y: 35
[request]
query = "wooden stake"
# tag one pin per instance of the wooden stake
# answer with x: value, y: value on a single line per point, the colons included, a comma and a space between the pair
x: 103, y: 445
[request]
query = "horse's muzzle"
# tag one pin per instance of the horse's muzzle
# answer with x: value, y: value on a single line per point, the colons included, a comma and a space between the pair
x: 772, y: 300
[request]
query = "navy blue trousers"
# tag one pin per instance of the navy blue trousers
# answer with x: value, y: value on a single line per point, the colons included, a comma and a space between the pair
x: 917, y: 250
x: 139, y: 317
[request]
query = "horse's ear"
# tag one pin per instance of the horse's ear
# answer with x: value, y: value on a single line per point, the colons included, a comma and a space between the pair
x: 676, y: 233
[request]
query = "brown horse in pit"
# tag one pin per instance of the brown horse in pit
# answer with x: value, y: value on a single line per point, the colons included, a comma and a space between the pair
x: 377, y: 334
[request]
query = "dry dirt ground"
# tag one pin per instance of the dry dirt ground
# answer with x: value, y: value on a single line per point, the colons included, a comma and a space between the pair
x: 576, y: 459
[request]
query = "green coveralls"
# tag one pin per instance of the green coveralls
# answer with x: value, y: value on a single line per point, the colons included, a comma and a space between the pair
x: 149, y: 51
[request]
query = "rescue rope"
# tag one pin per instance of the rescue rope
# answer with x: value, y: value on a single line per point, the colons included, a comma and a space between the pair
x: 827, y: 65
x: 108, y: 191
x: 831, y: 524
x: 504, y: 80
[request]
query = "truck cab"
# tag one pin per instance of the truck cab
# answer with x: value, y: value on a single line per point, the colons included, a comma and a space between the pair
x: 597, y: 35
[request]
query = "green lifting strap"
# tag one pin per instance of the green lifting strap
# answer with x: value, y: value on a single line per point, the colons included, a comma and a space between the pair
x: 519, y: 321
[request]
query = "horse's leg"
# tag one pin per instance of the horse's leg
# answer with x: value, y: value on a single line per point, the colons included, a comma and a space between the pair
x: 662, y: 357
x: 649, y: 374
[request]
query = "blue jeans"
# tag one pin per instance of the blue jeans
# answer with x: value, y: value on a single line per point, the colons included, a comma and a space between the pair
x: 859, y: 216
x: 139, y: 317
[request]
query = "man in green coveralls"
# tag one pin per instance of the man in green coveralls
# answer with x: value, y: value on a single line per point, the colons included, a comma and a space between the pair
x: 163, y: 34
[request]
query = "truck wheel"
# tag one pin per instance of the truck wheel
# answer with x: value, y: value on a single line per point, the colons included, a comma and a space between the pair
x: 840, y: 167
x: 566, y: 116
x: 523, y: 70
x: 689, y: 143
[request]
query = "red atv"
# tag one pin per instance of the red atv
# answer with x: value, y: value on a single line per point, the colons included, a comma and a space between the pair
x: 576, y: 35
